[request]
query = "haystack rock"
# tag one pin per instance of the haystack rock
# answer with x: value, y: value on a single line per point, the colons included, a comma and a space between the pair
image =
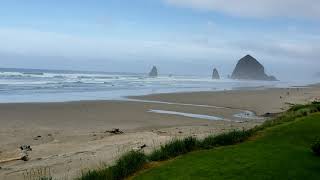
x: 153, y: 72
x: 248, y: 68
x: 215, y: 74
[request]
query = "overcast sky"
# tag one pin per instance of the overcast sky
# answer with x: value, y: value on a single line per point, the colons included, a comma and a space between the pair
x: 179, y: 36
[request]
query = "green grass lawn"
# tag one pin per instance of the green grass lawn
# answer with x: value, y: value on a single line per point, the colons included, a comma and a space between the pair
x: 280, y: 152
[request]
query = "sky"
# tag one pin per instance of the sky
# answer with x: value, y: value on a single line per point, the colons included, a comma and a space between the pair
x: 178, y: 36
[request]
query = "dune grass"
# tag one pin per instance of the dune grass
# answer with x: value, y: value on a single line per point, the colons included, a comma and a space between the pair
x: 280, y: 152
x: 128, y: 164
x: 133, y: 161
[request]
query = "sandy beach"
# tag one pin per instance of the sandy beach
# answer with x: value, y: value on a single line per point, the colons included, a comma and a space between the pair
x: 71, y: 137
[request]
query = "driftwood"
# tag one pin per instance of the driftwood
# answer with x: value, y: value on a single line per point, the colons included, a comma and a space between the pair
x: 143, y: 146
x: 139, y: 148
x: 24, y: 155
x: 270, y: 115
x: 115, y: 131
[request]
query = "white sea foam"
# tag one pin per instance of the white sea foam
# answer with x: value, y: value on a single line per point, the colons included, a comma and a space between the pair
x: 34, y: 86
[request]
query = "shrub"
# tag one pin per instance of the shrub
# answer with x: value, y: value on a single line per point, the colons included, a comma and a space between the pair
x: 315, y: 103
x: 124, y: 167
x: 174, y: 148
x: 224, y: 139
x: 190, y: 143
x: 315, y: 146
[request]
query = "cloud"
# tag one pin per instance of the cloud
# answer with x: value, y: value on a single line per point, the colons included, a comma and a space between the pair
x: 297, y: 9
x: 30, y: 42
x: 32, y: 48
x: 208, y: 47
x: 294, y: 50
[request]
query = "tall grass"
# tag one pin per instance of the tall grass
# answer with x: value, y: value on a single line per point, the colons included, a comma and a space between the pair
x: 128, y: 164
x: 224, y: 139
x: 174, y: 148
x: 38, y: 174
x: 133, y: 161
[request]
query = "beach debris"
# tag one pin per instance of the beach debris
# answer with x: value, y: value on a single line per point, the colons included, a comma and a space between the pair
x: 139, y: 148
x: 289, y: 104
x: 240, y: 122
x: 268, y: 114
x: 9, y: 160
x: 25, y: 157
x: 37, y: 138
x: 25, y: 148
x: 161, y: 132
x: 115, y: 131
x: 25, y: 152
x: 143, y: 146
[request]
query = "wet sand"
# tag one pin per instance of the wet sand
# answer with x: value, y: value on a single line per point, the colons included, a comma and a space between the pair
x: 70, y: 137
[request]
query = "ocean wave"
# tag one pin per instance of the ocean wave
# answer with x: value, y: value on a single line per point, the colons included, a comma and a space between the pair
x: 33, y: 73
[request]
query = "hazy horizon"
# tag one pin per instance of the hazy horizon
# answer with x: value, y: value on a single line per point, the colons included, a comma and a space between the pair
x: 126, y: 36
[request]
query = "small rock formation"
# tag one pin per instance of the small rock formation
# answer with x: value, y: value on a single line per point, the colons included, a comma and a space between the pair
x: 153, y: 72
x: 248, y: 68
x: 215, y: 74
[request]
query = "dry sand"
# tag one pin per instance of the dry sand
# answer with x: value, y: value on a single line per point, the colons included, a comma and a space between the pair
x: 70, y: 137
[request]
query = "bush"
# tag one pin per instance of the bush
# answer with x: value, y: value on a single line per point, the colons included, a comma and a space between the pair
x: 224, y: 139
x: 174, y: 148
x: 315, y: 103
x: 127, y: 165
x: 315, y: 146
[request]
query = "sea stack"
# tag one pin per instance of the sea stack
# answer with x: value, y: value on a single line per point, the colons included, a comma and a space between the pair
x: 153, y: 72
x: 215, y: 74
x: 248, y: 68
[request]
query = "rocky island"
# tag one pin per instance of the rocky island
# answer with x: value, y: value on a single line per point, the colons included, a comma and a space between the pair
x: 248, y: 68
x: 215, y: 74
x: 153, y: 72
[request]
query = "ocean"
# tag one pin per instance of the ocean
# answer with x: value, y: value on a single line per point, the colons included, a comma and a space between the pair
x: 36, y: 85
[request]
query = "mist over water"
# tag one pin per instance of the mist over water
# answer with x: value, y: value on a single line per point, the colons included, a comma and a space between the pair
x: 23, y: 85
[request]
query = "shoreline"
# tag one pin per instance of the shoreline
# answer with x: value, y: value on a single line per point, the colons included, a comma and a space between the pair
x: 121, y: 95
x: 74, y: 134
